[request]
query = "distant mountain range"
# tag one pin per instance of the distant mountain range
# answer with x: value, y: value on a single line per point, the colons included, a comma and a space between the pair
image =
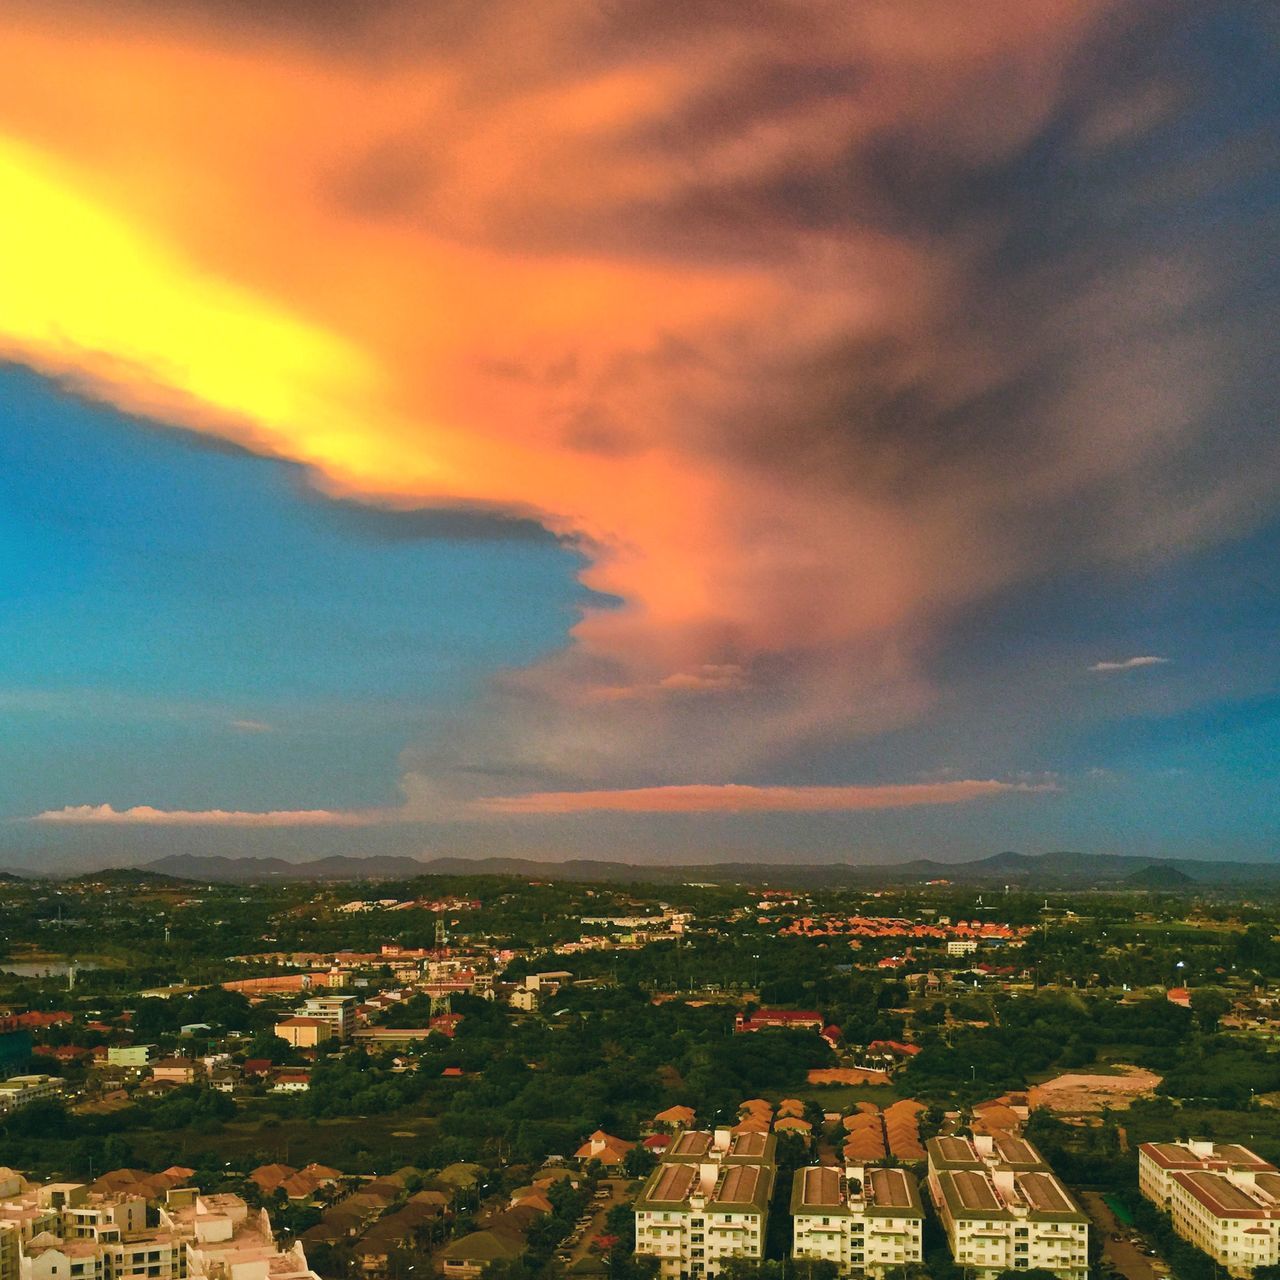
x: 1049, y: 870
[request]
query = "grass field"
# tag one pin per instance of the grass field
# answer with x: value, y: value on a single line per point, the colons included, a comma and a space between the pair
x: 840, y: 1097
x: 372, y: 1144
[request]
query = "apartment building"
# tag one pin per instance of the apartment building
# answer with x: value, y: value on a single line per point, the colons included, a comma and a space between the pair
x: 21, y: 1091
x: 1223, y: 1199
x: 338, y: 1011
x: 225, y: 1240
x: 1004, y: 1209
x: 65, y: 1231
x: 69, y: 1231
x: 706, y: 1202
x: 1159, y: 1161
x: 863, y: 1220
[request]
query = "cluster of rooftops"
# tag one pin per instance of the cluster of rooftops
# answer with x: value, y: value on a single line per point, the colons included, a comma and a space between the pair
x: 997, y: 1177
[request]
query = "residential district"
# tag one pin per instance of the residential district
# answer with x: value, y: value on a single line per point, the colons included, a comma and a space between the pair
x: 491, y: 1076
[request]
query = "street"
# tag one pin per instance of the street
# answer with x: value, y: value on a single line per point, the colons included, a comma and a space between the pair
x: 1124, y: 1257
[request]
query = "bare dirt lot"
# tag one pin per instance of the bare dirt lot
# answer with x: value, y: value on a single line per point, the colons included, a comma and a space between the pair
x: 1077, y: 1094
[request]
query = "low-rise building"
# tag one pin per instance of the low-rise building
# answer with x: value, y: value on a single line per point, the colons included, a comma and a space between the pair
x: 21, y: 1091
x: 1222, y: 1198
x: 863, y: 1220
x: 305, y: 1033
x: 176, y: 1070
x: 707, y: 1202
x: 129, y: 1055
x: 1004, y: 1209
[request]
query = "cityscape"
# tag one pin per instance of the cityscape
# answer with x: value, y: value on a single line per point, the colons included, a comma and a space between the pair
x: 639, y: 640
x: 496, y: 1076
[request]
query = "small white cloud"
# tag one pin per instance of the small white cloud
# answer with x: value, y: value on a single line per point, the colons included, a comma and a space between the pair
x: 1130, y: 664
x: 251, y: 726
x: 145, y: 815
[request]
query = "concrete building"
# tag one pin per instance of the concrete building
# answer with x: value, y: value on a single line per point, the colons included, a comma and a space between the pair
x: 224, y: 1240
x: 706, y: 1202
x: 1004, y: 1209
x: 1223, y: 1199
x: 863, y: 1220
x: 305, y: 1033
x: 177, y: 1070
x: 129, y: 1055
x: 21, y: 1091
x: 338, y: 1011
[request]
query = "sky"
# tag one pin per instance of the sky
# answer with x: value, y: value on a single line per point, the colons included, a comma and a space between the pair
x: 634, y: 430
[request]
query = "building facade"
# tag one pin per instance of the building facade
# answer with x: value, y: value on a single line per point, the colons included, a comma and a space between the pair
x: 1223, y: 1199
x: 1003, y: 1208
x: 707, y: 1202
x: 863, y: 1220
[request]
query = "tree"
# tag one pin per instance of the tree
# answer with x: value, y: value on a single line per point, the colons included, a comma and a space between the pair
x: 1209, y: 1004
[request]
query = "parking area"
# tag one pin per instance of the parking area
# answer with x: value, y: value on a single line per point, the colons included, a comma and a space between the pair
x: 1123, y: 1248
x: 610, y: 1192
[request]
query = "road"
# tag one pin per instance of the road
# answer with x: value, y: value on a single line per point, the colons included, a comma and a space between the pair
x: 1124, y: 1257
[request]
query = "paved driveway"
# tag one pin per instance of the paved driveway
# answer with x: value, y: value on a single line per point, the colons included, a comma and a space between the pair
x: 1126, y: 1258
x: 599, y: 1209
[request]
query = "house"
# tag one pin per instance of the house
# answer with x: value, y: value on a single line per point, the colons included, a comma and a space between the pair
x: 467, y: 1257
x: 608, y: 1150
x: 291, y: 1080
x: 267, y: 1177
x: 677, y: 1117
x: 224, y: 1079
x: 175, y: 1071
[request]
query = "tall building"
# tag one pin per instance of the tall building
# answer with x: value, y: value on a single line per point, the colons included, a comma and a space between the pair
x: 1223, y: 1199
x: 1004, y: 1209
x: 863, y: 1220
x: 338, y: 1011
x: 707, y: 1201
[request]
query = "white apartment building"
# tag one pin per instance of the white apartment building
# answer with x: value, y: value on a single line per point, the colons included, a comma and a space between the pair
x: 65, y: 1231
x: 707, y: 1201
x: 863, y: 1220
x: 1004, y: 1209
x: 224, y: 1240
x: 1159, y: 1161
x: 1223, y: 1199
x: 338, y: 1011
x: 21, y: 1091
x: 79, y: 1234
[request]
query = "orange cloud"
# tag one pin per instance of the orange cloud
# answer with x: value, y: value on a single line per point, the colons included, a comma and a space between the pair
x: 730, y: 798
x: 145, y: 815
x: 708, y: 292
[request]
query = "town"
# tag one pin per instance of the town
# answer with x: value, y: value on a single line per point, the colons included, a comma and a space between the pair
x: 511, y: 1078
